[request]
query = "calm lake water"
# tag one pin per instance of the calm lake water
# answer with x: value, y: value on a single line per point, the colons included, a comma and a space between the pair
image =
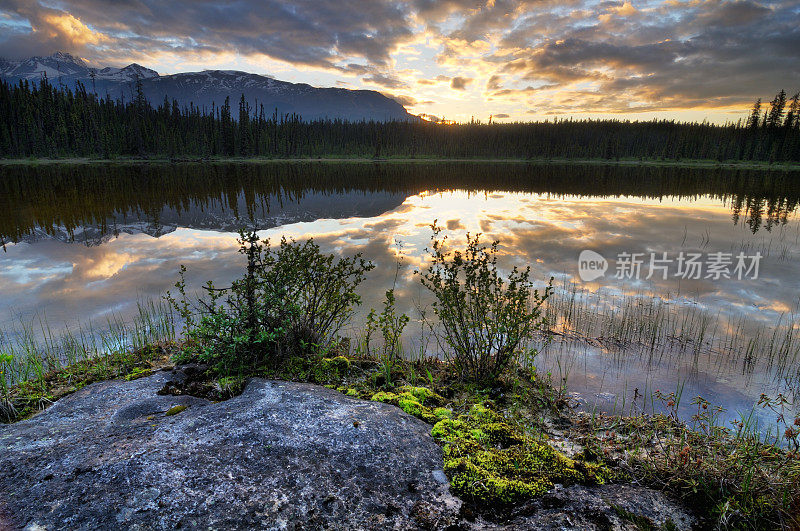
x: 83, y: 243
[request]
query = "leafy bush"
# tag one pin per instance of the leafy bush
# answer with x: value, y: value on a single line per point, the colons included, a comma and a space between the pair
x: 291, y: 301
x: 485, y: 319
x: 390, y: 324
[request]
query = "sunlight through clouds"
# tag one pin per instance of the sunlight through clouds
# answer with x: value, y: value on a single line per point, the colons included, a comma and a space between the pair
x: 513, y: 59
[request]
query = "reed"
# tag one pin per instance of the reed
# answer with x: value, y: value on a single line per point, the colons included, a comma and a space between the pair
x: 30, y: 350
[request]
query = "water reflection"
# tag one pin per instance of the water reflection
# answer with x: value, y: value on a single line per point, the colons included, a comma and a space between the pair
x: 85, y: 242
x: 68, y: 201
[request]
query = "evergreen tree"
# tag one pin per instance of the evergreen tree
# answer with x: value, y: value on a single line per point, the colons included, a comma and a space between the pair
x: 755, y: 115
x: 776, y: 107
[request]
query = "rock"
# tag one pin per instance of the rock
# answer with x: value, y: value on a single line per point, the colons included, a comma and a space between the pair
x: 280, y: 455
x: 617, y: 507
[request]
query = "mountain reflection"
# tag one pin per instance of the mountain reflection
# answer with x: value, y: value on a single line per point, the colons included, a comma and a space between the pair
x: 88, y: 203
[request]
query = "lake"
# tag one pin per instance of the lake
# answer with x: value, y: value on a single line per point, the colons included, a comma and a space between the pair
x: 717, y: 316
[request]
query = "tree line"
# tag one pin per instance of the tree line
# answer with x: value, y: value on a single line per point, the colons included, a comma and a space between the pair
x: 42, y: 120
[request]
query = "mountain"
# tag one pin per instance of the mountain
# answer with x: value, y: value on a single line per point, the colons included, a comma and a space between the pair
x: 125, y: 75
x: 57, y: 66
x: 202, y: 89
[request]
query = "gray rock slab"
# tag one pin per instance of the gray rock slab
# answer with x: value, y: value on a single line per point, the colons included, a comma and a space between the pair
x: 280, y: 455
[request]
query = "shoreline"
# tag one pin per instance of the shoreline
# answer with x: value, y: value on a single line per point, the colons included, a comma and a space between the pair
x: 699, y: 164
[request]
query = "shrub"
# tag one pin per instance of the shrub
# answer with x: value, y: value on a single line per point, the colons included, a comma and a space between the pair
x: 390, y: 324
x: 291, y: 301
x: 485, y: 319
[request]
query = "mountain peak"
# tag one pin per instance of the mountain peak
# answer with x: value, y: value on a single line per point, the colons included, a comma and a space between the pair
x: 143, y: 72
x: 128, y: 73
x: 68, y: 58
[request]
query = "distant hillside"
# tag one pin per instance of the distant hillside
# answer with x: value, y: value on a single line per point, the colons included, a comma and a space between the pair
x: 203, y: 89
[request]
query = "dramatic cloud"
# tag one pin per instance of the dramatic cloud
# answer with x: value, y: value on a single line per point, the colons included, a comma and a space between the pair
x: 524, y: 56
x: 321, y: 33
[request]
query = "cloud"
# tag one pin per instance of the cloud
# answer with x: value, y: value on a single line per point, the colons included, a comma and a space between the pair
x: 441, y: 78
x: 320, y: 33
x: 406, y: 101
x: 570, y: 56
x: 460, y: 83
x: 388, y: 81
x: 501, y: 115
x: 494, y: 82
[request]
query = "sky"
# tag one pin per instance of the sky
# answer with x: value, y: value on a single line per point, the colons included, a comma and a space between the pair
x: 514, y: 60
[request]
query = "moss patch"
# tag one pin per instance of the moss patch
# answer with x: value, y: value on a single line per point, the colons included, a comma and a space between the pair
x: 174, y: 410
x: 316, y: 370
x: 414, y: 401
x: 491, y: 462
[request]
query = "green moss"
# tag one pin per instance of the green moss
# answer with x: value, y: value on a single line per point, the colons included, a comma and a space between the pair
x: 138, y: 372
x: 383, y: 396
x: 174, y: 410
x: 442, y: 413
x: 332, y: 369
x: 411, y: 400
x: 423, y: 394
x: 489, y: 461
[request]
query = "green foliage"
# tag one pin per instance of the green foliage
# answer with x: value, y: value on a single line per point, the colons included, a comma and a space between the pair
x: 390, y: 325
x: 7, y: 410
x: 5, y: 370
x: 734, y: 476
x: 491, y: 462
x: 137, y: 372
x: 27, y: 397
x: 486, y: 319
x: 415, y: 401
x: 314, y: 369
x: 291, y: 301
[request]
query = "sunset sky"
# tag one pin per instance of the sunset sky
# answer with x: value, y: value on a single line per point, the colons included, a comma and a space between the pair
x: 516, y: 60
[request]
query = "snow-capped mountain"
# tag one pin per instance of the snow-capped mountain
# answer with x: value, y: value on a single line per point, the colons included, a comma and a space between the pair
x: 123, y: 75
x: 59, y: 65
x: 207, y: 88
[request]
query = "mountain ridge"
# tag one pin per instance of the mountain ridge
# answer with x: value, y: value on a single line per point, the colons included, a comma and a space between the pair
x: 208, y: 88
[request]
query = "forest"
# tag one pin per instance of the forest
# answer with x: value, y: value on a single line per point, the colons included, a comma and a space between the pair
x: 41, y: 120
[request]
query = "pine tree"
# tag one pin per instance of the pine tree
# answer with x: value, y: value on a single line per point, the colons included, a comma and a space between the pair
x: 792, y: 120
x: 776, y: 107
x: 755, y: 115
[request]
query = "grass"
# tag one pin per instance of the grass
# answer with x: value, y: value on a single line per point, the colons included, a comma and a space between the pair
x: 654, y: 324
x: 38, y: 366
x: 497, y: 440
x: 735, y: 478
